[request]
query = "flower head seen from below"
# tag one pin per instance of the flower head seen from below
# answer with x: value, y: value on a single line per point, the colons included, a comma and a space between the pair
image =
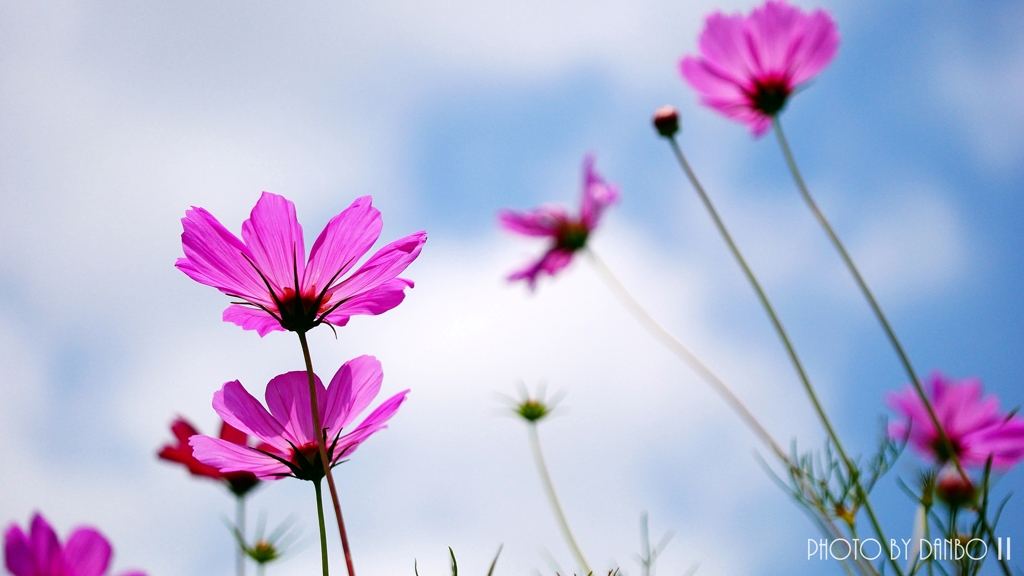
x: 40, y: 552
x: 240, y: 483
x: 289, y: 444
x: 749, y: 66
x: 568, y: 234
x: 277, y: 287
x: 973, y: 424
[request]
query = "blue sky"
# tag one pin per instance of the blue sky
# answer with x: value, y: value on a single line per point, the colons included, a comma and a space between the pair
x: 119, y: 118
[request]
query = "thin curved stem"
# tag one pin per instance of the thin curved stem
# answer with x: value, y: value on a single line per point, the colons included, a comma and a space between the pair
x: 545, y: 477
x: 323, y: 527
x: 321, y: 442
x: 783, y: 336
x: 865, y: 290
x: 240, y: 527
x: 684, y: 353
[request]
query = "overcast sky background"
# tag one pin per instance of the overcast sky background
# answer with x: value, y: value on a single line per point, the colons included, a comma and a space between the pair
x: 115, y: 118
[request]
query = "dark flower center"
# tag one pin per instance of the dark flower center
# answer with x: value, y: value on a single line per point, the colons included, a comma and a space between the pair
x: 299, y: 311
x: 572, y: 236
x: 942, y: 449
x: 240, y: 482
x: 306, y: 463
x: 769, y: 95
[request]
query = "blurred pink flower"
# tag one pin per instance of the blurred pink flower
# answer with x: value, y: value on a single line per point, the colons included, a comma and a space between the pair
x: 289, y: 445
x: 749, y: 66
x: 279, y: 289
x: 238, y: 482
x: 567, y: 233
x: 40, y: 553
x: 974, y: 425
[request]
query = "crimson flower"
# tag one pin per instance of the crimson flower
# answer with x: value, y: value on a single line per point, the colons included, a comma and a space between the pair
x: 748, y: 67
x: 289, y: 442
x: 278, y: 288
x: 238, y: 482
x: 40, y: 553
x: 974, y: 425
x: 568, y: 234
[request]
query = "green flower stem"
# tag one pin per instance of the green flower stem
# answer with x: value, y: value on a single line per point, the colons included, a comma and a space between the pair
x: 240, y: 526
x: 322, y: 447
x: 542, y: 467
x: 323, y: 528
x: 868, y: 295
x: 784, y: 337
x: 680, y: 350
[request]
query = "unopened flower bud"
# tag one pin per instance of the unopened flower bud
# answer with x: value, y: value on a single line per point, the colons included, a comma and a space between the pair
x: 666, y: 121
x: 954, y: 488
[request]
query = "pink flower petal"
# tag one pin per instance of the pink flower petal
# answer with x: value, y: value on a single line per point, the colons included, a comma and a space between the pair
x: 229, y: 457
x: 376, y: 421
x: 372, y: 302
x: 343, y: 242
x: 597, y: 194
x: 215, y: 257
x: 352, y: 389
x: 274, y: 238
x: 384, y: 265
x: 237, y: 407
x: 251, y: 319
x: 87, y: 553
x: 45, y: 546
x: 288, y: 400
x: 542, y: 221
x: 18, y: 553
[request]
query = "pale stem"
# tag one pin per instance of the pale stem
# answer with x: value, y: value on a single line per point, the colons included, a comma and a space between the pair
x: 865, y: 290
x: 542, y: 467
x: 321, y: 443
x: 684, y: 353
x: 784, y: 337
x: 323, y: 527
x: 240, y: 526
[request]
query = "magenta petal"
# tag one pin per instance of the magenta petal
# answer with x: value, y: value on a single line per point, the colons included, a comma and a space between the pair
x: 552, y: 262
x: 230, y: 457
x: 376, y: 421
x: 343, y: 242
x: 215, y: 257
x: 819, y: 47
x: 723, y: 43
x: 251, y: 319
x: 237, y: 407
x: 87, y: 553
x: 385, y: 264
x: 372, y: 302
x: 288, y: 400
x: 597, y: 195
x: 18, y: 553
x: 352, y: 389
x: 542, y: 221
x: 274, y: 238
x: 45, y: 546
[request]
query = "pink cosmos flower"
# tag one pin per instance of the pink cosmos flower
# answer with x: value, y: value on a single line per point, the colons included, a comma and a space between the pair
x: 239, y: 483
x: 975, y: 426
x: 278, y: 288
x: 568, y: 234
x: 40, y: 553
x: 289, y: 445
x: 749, y: 66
